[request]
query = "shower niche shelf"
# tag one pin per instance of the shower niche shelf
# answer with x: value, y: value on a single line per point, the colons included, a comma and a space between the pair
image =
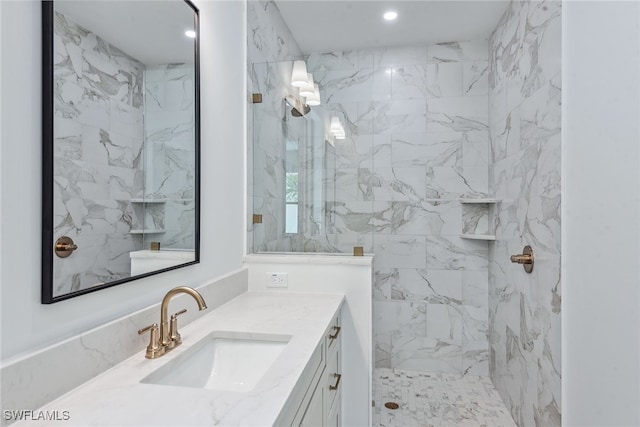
x: 472, y: 201
x: 149, y: 212
x: 144, y: 201
x: 147, y: 231
x: 478, y: 236
x: 477, y: 218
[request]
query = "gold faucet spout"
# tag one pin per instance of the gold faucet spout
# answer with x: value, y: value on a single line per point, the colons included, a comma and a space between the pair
x: 164, y: 309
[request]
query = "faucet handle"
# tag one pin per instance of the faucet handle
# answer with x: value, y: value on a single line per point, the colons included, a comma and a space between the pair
x: 174, y: 336
x: 154, y: 349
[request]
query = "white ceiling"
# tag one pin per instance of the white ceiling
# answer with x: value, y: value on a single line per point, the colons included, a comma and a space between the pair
x: 150, y: 31
x: 332, y: 25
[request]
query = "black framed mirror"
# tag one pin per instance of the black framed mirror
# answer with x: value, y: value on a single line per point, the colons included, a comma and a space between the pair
x: 121, y: 142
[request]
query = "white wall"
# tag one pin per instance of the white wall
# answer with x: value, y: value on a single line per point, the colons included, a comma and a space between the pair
x: 27, y: 324
x: 601, y: 214
x: 351, y: 276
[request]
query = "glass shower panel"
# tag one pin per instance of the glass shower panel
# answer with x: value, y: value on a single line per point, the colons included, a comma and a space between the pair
x: 306, y: 177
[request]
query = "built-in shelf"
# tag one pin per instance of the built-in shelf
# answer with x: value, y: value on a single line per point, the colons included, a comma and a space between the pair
x: 477, y: 217
x: 478, y: 236
x: 148, y: 200
x: 478, y: 201
x: 144, y: 231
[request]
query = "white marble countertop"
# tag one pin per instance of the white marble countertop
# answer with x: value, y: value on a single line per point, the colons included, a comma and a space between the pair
x: 117, y: 398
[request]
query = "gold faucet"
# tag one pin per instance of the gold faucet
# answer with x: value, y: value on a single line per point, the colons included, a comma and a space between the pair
x: 168, y: 337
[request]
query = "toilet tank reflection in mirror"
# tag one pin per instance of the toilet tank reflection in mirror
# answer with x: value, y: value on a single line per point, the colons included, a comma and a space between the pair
x: 120, y: 142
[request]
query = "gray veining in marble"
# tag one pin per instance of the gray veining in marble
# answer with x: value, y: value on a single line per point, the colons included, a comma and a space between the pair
x: 392, y: 187
x: 525, y: 310
x: 123, y: 131
x: 434, y: 400
x: 426, y: 126
x: 98, y: 165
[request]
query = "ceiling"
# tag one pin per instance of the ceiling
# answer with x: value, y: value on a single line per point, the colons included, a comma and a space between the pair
x: 331, y: 25
x: 150, y: 31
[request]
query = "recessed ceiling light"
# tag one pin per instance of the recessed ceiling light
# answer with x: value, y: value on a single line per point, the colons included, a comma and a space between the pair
x: 390, y: 16
x: 190, y: 33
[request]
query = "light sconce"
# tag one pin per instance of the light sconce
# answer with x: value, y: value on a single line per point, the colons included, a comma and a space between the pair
x: 299, y: 74
x: 336, y: 129
x: 308, y: 89
x: 314, y: 99
x: 309, y: 93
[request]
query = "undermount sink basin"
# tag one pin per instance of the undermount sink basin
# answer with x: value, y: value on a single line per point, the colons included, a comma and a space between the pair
x: 229, y: 362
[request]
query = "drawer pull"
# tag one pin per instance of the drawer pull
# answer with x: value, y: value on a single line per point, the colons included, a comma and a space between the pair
x: 335, y: 387
x: 334, y: 336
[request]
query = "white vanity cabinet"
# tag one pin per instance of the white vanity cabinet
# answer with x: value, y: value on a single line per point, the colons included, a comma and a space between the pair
x: 318, y: 403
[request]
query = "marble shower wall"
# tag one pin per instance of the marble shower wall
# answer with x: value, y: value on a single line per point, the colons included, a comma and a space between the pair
x: 417, y: 141
x: 416, y: 120
x: 98, y: 155
x: 169, y: 157
x: 525, y: 127
x: 270, y: 51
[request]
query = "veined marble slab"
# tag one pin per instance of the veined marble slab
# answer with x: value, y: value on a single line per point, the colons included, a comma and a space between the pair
x: 119, y: 398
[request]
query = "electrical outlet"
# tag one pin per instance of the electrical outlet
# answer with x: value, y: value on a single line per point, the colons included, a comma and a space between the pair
x: 277, y: 280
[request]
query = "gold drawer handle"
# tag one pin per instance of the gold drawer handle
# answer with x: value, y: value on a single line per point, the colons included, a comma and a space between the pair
x: 335, y: 387
x: 334, y: 336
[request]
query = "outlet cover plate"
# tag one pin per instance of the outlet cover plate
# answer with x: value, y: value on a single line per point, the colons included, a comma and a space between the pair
x: 277, y: 280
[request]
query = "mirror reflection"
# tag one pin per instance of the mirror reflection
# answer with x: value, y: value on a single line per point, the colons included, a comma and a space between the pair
x: 125, y: 143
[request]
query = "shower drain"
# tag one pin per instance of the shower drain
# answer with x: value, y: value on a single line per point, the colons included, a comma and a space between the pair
x: 391, y: 405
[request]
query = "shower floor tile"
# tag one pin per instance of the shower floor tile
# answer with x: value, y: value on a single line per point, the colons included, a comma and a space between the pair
x: 436, y: 400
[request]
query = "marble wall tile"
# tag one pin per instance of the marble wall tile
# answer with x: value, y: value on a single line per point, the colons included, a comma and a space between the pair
x: 449, y: 182
x: 458, y: 114
x: 391, y: 186
x: 413, y: 218
x: 524, y: 310
x: 269, y: 37
x: 396, y: 56
x: 345, y: 85
x: 170, y: 157
x: 354, y: 152
x: 343, y: 242
x: 408, y: 81
x: 395, y: 116
x: 349, y: 217
x: 399, y: 318
x: 397, y: 184
x: 382, y: 151
x: 98, y: 167
x: 431, y: 286
x: 426, y: 354
x: 400, y: 251
x: 475, y: 358
x: 444, y: 322
x: 475, y: 78
x: 475, y: 149
x: 453, y: 253
x: 474, y: 50
x: 475, y: 288
x: 444, y: 79
x: 439, y: 149
x: 330, y: 61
